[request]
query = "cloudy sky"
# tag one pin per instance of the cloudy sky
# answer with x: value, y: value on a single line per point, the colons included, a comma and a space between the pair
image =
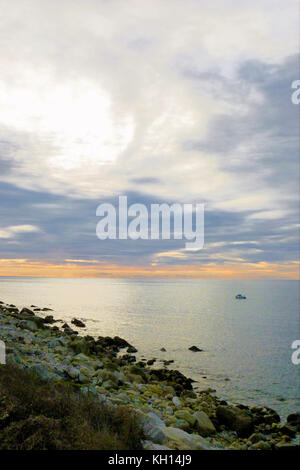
x: 162, y: 101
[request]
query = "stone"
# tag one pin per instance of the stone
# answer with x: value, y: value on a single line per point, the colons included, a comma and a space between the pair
x: 185, y: 440
x: 151, y: 425
x: 131, y: 350
x: 27, y: 325
x: 204, y: 425
x: 154, y: 419
x: 264, y: 415
x: 256, y: 437
x: 78, y: 323
x: 187, y: 416
x: 49, y: 319
x: 121, y: 342
x: 176, y: 401
x: 128, y: 358
x: 154, y: 434
x: 287, y: 446
x: 151, y: 362
x: 235, y: 419
x: 72, y: 372
x: 181, y: 424
x: 149, y: 445
x: 26, y: 311
x: 288, y: 430
x: 195, y: 349
x: 294, y: 420
x: 261, y: 445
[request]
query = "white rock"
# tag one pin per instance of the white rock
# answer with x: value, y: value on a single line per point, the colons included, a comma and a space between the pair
x: 176, y: 401
x: 185, y: 440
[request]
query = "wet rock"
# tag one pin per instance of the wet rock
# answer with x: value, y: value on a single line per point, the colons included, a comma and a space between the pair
x: 173, y: 377
x: 131, y: 350
x: 115, y: 344
x: 26, y: 311
x: 128, y: 358
x: 12, y: 309
x: 151, y: 362
x: 78, y: 323
x: 235, y: 419
x: 49, y: 319
x: 168, y: 362
x: 121, y: 343
x: 195, y: 349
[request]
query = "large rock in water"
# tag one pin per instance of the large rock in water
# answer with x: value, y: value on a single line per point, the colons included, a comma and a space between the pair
x: 78, y: 323
x: 203, y: 424
x: 195, y: 349
x: 235, y: 419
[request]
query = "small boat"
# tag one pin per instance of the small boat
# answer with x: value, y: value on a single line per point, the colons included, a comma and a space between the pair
x: 240, y: 296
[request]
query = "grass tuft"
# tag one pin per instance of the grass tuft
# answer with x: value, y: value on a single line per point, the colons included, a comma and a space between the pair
x: 35, y: 415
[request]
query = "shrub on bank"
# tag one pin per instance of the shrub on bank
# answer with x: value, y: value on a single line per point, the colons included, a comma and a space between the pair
x: 39, y: 415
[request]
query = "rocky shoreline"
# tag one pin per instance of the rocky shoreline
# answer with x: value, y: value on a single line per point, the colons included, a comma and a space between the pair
x: 173, y: 415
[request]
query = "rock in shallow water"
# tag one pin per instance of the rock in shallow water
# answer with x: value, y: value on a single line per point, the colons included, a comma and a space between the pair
x: 78, y: 323
x: 195, y: 349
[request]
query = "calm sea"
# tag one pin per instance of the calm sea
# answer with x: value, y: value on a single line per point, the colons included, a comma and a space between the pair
x: 246, y: 343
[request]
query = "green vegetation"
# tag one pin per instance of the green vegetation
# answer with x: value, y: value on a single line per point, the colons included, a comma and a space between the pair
x: 39, y: 415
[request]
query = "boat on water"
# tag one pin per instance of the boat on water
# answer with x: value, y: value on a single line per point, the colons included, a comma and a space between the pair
x: 240, y: 296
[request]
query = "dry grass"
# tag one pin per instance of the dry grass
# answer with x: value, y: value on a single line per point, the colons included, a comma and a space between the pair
x: 39, y: 415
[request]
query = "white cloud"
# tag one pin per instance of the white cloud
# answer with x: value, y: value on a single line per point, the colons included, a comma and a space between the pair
x: 93, y: 93
x: 13, y: 230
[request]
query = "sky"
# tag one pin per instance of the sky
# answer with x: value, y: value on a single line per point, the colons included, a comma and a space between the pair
x: 165, y: 101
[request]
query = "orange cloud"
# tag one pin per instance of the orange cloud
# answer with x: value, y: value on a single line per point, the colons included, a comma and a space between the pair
x: 93, y: 268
